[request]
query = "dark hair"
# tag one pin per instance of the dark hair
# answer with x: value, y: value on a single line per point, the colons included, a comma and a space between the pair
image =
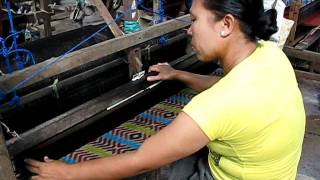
x: 254, y: 21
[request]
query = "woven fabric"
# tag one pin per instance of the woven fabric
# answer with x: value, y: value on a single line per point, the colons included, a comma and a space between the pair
x: 131, y: 134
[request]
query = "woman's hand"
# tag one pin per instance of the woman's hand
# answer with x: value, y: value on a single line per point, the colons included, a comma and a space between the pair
x: 164, y: 70
x: 49, y: 169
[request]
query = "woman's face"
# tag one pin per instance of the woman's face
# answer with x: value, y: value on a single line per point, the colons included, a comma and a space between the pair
x: 205, y: 32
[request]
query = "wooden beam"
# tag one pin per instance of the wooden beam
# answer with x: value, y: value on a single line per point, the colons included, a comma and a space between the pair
x: 306, y: 55
x: 309, y: 39
x: 133, y: 55
x: 307, y: 75
x: 6, y: 171
x: 108, y: 18
x: 294, y: 15
x: 156, y: 16
x: 46, y: 17
x: 92, y: 53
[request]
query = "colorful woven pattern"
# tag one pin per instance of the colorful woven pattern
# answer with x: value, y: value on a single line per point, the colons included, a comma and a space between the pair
x: 131, y: 134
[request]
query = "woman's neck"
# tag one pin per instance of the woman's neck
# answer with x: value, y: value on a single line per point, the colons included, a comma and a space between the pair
x: 236, y: 52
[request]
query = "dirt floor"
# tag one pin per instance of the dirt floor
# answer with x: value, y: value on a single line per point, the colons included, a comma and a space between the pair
x: 309, y: 167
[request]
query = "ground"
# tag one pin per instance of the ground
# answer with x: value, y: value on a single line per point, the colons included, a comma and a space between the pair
x: 309, y: 167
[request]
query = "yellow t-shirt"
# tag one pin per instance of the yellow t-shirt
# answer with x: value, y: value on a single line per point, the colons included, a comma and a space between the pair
x: 254, y: 118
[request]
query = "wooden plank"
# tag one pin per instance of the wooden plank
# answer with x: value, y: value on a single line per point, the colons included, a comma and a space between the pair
x: 309, y: 39
x: 294, y: 15
x: 133, y: 55
x: 108, y: 18
x: 156, y: 7
x: 46, y: 17
x: 92, y: 53
x: 307, y: 75
x: 89, y: 112
x: 6, y: 171
x: 306, y: 55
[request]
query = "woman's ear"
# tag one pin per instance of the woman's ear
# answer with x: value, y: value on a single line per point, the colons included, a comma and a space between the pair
x: 228, y: 24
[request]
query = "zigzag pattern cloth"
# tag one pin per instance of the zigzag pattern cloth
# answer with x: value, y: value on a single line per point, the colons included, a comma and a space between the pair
x: 131, y: 134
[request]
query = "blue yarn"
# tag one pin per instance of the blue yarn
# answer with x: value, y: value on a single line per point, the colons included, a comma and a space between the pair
x: 58, y: 59
x: 163, y: 40
x: 14, y: 101
x: 6, y: 52
x: 139, y: 2
x: 2, y: 95
x: 161, y: 11
x: 131, y: 26
x: 19, y: 64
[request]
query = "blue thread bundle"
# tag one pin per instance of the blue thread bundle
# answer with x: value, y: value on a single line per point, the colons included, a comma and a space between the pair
x: 131, y: 26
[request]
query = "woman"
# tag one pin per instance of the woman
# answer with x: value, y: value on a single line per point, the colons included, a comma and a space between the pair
x: 252, y: 120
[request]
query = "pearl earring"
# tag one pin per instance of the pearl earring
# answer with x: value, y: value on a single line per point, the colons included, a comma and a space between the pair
x: 222, y: 34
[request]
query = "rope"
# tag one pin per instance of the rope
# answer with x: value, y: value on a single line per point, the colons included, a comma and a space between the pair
x: 12, y: 133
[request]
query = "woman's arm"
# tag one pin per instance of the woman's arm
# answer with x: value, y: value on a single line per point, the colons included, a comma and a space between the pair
x: 195, y: 81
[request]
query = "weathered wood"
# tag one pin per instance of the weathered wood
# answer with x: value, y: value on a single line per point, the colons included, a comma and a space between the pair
x: 309, y: 39
x: 86, y: 113
x: 306, y: 55
x: 156, y: 6
x: 294, y: 15
x: 307, y: 75
x: 135, y: 64
x: 6, y: 171
x: 92, y: 53
x: 65, y: 84
x: 108, y: 18
x: 46, y: 17
x: 68, y: 83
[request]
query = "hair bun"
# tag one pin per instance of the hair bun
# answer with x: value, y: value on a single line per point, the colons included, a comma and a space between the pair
x: 266, y: 25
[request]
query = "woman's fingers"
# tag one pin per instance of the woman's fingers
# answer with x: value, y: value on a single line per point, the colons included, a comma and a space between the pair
x: 33, y: 169
x: 153, y: 78
x: 32, y: 162
x: 154, y: 68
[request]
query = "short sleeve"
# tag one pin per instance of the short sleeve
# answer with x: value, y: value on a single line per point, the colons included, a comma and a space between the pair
x: 210, y: 110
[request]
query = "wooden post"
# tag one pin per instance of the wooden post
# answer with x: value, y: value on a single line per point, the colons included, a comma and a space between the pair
x: 156, y: 16
x: 134, y: 55
x: 5, y: 162
x: 294, y: 15
x: 104, y: 12
x: 46, y: 17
